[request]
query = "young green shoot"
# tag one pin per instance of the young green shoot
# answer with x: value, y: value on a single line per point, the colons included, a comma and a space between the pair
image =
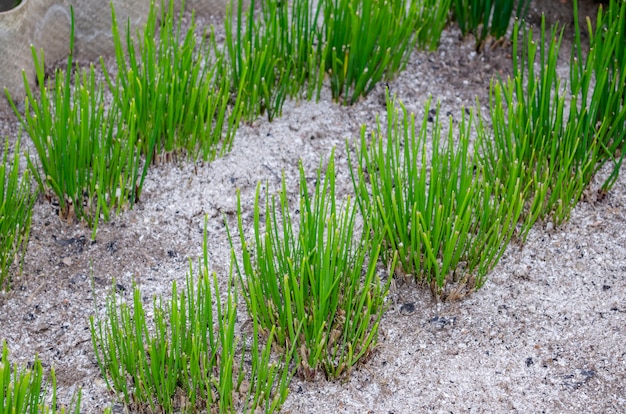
x: 363, y: 42
x: 487, y: 17
x: 447, y: 220
x: 23, y: 391
x: 271, y: 53
x: 598, y: 79
x: 16, y: 205
x: 84, y: 157
x: 317, y: 274
x: 432, y: 19
x: 559, y: 148
x: 189, y: 358
x: 173, y: 89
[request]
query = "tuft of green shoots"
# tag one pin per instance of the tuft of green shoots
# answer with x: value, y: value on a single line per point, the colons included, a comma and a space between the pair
x: 364, y: 41
x: 190, y: 359
x: 448, y: 221
x: 432, y: 19
x: 487, y: 17
x: 84, y: 157
x: 285, y: 49
x: 315, y: 274
x: 271, y: 53
x: 22, y: 391
x: 16, y: 205
x: 532, y: 127
x: 598, y: 80
x: 173, y: 89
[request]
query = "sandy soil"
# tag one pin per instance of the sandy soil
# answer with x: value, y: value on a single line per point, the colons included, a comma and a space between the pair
x: 547, y: 333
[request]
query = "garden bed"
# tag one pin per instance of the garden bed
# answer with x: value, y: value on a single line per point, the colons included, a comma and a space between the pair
x: 545, y: 333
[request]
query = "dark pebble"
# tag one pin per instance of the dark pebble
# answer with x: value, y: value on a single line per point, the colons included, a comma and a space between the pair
x: 407, y: 308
